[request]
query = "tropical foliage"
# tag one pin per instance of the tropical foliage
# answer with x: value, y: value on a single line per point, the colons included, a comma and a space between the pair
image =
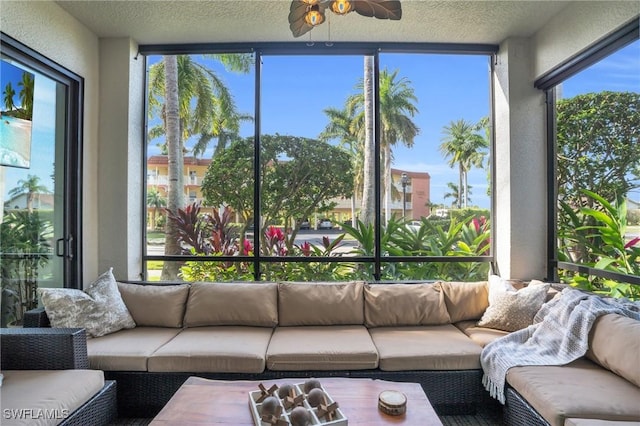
x: 25, y: 246
x: 598, y: 135
x: 299, y: 176
x: 598, y: 163
x: 214, y: 236
x: 596, y: 237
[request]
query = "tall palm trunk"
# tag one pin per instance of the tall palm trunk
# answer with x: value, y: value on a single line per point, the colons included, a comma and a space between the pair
x: 387, y: 183
x: 175, y: 197
x: 368, y: 201
x: 461, y: 189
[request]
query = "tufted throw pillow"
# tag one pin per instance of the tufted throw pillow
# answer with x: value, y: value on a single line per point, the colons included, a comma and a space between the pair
x: 99, y: 309
x: 514, y: 310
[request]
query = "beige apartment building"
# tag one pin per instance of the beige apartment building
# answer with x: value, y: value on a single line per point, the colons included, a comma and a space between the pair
x: 413, y: 199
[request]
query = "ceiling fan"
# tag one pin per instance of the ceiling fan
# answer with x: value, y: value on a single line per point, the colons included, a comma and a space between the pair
x: 306, y: 14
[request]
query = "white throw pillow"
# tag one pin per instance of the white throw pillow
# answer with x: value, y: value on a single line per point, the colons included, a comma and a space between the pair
x: 515, y: 310
x: 99, y: 310
x: 497, y: 287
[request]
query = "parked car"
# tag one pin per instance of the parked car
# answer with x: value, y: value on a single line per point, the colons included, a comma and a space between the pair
x: 414, y: 225
x: 325, y: 224
x: 305, y: 224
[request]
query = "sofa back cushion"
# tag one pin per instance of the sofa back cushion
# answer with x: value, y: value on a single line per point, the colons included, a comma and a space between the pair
x: 319, y: 303
x: 388, y: 305
x: 249, y: 304
x: 614, y: 343
x: 155, y: 305
x: 466, y: 300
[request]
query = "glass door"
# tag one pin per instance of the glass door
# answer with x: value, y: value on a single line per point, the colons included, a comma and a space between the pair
x: 37, y: 232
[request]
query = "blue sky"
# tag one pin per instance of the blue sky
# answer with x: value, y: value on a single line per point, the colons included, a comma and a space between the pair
x: 296, y: 90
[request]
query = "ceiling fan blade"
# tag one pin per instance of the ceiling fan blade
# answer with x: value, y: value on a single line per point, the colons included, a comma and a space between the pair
x: 381, y: 9
x: 297, y: 25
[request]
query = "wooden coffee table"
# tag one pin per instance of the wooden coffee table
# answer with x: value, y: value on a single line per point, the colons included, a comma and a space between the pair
x: 216, y: 402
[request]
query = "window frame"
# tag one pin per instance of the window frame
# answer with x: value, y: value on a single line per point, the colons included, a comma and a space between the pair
x: 328, y: 48
x: 70, y: 246
x: 548, y: 82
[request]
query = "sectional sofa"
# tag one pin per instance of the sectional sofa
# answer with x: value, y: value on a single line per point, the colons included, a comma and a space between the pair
x: 47, y: 380
x: 426, y: 333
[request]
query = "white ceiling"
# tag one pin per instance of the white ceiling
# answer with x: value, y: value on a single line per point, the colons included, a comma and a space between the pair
x: 210, y: 21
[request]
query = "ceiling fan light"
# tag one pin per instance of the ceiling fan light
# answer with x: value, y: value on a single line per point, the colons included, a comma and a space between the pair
x: 341, y: 7
x: 313, y: 16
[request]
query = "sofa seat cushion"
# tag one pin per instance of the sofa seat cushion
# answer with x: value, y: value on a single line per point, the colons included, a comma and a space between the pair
x: 214, y: 349
x: 597, y: 422
x: 480, y: 335
x: 581, y: 389
x: 338, y: 347
x: 127, y: 350
x: 433, y: 347
x: 49, y: 395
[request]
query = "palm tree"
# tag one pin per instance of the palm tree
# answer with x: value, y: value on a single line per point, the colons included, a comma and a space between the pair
x: 466, y: 149
x: 30, y: 186
x: 214, y: 113
x: 397, y: 106
x: 367, y: 209
x: 26, y: 95
x: 455, y: 194
x: 8, y: 94
x: 343, y: 125
x: 189, y: 98
x: 156, y: 201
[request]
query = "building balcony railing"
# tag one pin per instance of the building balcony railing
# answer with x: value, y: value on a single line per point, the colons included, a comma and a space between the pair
x: 164, y: 180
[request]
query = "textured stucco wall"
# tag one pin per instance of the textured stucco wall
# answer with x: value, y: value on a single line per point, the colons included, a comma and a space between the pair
x: 520, y: 165
x: 120, y: 167
x: 49, y: 30
x: 576, y: 27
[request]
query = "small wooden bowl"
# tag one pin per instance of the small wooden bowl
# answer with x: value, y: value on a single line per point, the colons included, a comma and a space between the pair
x: 392, y: 402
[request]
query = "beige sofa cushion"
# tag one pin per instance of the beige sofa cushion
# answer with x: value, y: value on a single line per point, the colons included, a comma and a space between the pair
x: 480, y: 335
x: 127, y: 350
x: 248, y: 304
x: 596, y: 422
x: 404, y: 304
x: 155, y: 305
x: 55, y: 392
x: 338, y: 347
x: 614, y: 343
x: 431, y: 347
x: 581, y: 389
x: 465, y: 300
x: 320, y: 303
x: 218, y: 349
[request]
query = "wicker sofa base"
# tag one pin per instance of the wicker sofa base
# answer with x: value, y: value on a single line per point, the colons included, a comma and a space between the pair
x: 143, y: 394
x: 517, y: 411
x: 101, y: 409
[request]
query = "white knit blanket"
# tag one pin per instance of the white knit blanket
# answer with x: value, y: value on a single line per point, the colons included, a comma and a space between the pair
x: 559, y: 335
